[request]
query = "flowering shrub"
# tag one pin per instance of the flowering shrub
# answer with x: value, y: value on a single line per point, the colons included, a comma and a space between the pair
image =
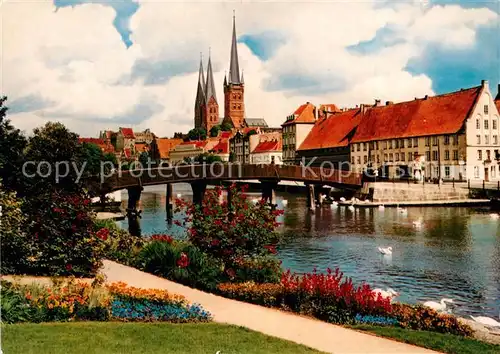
x: 425, y: 318
x: 270, y: 295
x: 232, y: 233
x: 61, y: 237
x: 122, y: 291
x: 119, y: 245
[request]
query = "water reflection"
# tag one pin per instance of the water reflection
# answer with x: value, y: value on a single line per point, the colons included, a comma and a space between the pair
x: 455, y: 252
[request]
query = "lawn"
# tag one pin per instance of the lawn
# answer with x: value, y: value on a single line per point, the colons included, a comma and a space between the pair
x: 445, y: 343
x: 132, y: 338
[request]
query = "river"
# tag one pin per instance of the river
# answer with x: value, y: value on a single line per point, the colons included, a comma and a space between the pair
x: 455, y: 253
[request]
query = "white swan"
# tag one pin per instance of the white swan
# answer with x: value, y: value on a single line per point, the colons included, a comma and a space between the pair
x: 342, y: 199
x: 334, y: 204
x: 351, y: 207
x: 381, y: 207
x: 439, y: 306
x: 255, y: 200
x: 179, y: 195
x: 402, y: 211
x: 495, y: 216
x: 284, y: 202
x: 387, y: 250
x: 487, y: 321
x: 389, y: 293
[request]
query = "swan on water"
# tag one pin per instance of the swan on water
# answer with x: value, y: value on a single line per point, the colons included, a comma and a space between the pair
x: 179, y: 195
x: 334, y: 204
x: 389, y: 293
x: 439, y: 306
x: 381, y: 207
x: 387, y: 250
x: 418, y: 223
x: 402, y: 211
x: 255, y: 200
x: 342, y: 199
x: 487, y: 321
x: 495, y: 216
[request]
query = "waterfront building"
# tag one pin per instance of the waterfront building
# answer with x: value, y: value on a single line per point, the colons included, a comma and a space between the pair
x: 144, y: 137
x: 243, y: 142
x: 221, y: 149
x: 125, y: 139
x: 327, y: 143
x: 187, y: 150
x: 449, y: 136
x: 295, y: 130
x: 268, y: 150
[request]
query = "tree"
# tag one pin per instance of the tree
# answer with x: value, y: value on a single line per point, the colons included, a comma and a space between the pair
x: 12, y: 144
x: 144, y: 159
x: 197, y: 134
x: 232, y: 156
x: 207, y: 158
x: 215, y: 131
x: 226, y: 127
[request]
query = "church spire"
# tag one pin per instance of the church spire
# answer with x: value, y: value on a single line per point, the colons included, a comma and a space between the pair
x: 201, y: 81
x: 234, y: 68
x: 210, y: 88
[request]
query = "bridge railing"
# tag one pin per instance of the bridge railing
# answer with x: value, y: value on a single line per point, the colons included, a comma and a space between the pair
x: 219, y: 172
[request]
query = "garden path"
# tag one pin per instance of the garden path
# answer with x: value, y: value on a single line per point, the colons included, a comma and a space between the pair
x: 307, y: 331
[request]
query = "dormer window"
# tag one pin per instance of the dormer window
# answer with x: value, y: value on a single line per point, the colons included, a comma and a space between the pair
x: 485, y: 109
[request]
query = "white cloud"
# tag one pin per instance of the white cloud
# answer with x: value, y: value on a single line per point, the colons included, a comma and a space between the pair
x: 75, y: 57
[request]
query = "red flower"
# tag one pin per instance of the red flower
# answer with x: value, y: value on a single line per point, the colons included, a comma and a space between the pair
x: 215, y: 242
x: 271, y: 249
x: 69, y: 267
x: 183, y: 260
x: 103, y: 234
x: 177, y: 222
x: 58, y: 210
x: 230, y: 272
x: 162, y: 238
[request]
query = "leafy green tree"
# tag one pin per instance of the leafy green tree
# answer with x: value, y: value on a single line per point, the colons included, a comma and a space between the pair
x: 207, y: 158
x: 12, y: 144
x: 226, y: 127
x: 197, y: 134
x: 144, y: 159
x: 232, y: 156
x: 214, y: 131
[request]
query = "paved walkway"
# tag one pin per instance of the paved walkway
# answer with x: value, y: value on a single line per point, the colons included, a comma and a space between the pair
x: 312, y: 333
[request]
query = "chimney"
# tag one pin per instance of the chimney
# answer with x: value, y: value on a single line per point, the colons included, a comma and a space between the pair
x: 426, y: 97
x: 377, y: 103
x: 485, y: 83
x: 316, y: 113
x: 388, y: 103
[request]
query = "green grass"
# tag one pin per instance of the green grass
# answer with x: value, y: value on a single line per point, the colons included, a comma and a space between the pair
x: 134, y: 338
x: 445, y: 343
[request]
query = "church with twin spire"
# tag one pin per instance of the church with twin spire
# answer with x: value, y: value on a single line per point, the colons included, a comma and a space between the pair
x: 206, y: 110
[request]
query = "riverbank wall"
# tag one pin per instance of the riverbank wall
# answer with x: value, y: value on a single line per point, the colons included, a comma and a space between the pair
x: 381, y: 192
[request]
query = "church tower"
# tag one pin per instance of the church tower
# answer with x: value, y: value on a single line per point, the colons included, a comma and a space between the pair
x: 212, y: 107
x: 234, y: 88
x: 200, y: 102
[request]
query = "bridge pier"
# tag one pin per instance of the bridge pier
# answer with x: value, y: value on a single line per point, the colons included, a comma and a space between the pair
x: 199, y: 188
x: 311, y: 197
x: 134, y: 195
x: 169, y: 204
x: 269, y: 191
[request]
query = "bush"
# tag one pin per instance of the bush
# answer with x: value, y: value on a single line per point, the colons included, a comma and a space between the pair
x: 180, y: 261
x: 234, y: 234
x: 15, y: 308
x: 426, y: 319
x: 14, y: 246
x: 263, y: 269
x: 62, y: 237
x: 119, y: 245
x: 270, y: 295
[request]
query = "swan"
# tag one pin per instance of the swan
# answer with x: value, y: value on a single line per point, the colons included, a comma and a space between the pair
x: 387, y: 250
x: 389, y: 293
x: 342, y: 199
x: 487, y: 321
x: 381, y: 207
x: 439, y: 306
x: 494, y: 216
x: 179, y: 195
x: 351, y: 207
x: 402, y: 211
x: 255, y: 200
x: 284, y: 202
x: 334, y: 204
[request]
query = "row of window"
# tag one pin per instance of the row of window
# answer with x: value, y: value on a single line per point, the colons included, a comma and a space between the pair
x: 492, y: 171
x: 236, y: 96
x: 236, y: 106
x: 410, y: 156
x: 402, y: 143
x: 488, y: 155
x: 487, y: 139
x: 486, y: 122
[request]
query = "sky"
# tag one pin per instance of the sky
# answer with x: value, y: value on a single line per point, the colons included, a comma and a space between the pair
x: 104, y: 64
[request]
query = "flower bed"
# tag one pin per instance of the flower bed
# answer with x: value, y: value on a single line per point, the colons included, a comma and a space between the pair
x: 333, y: 298
x: 82, y: 301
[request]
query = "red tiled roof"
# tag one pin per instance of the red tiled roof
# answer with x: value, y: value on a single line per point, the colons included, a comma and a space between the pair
x: 225, y: 135
x: 105, y: 147
x: 141, y: 147
x: 330, y: 107
x: 222, y: 147
x: 127, y: 133
x: 303, y: 114
x: 443, y: 114
x: 333, y: 131
x: 197, y: 143
x: 165, y: 145
x: 267, y: 146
